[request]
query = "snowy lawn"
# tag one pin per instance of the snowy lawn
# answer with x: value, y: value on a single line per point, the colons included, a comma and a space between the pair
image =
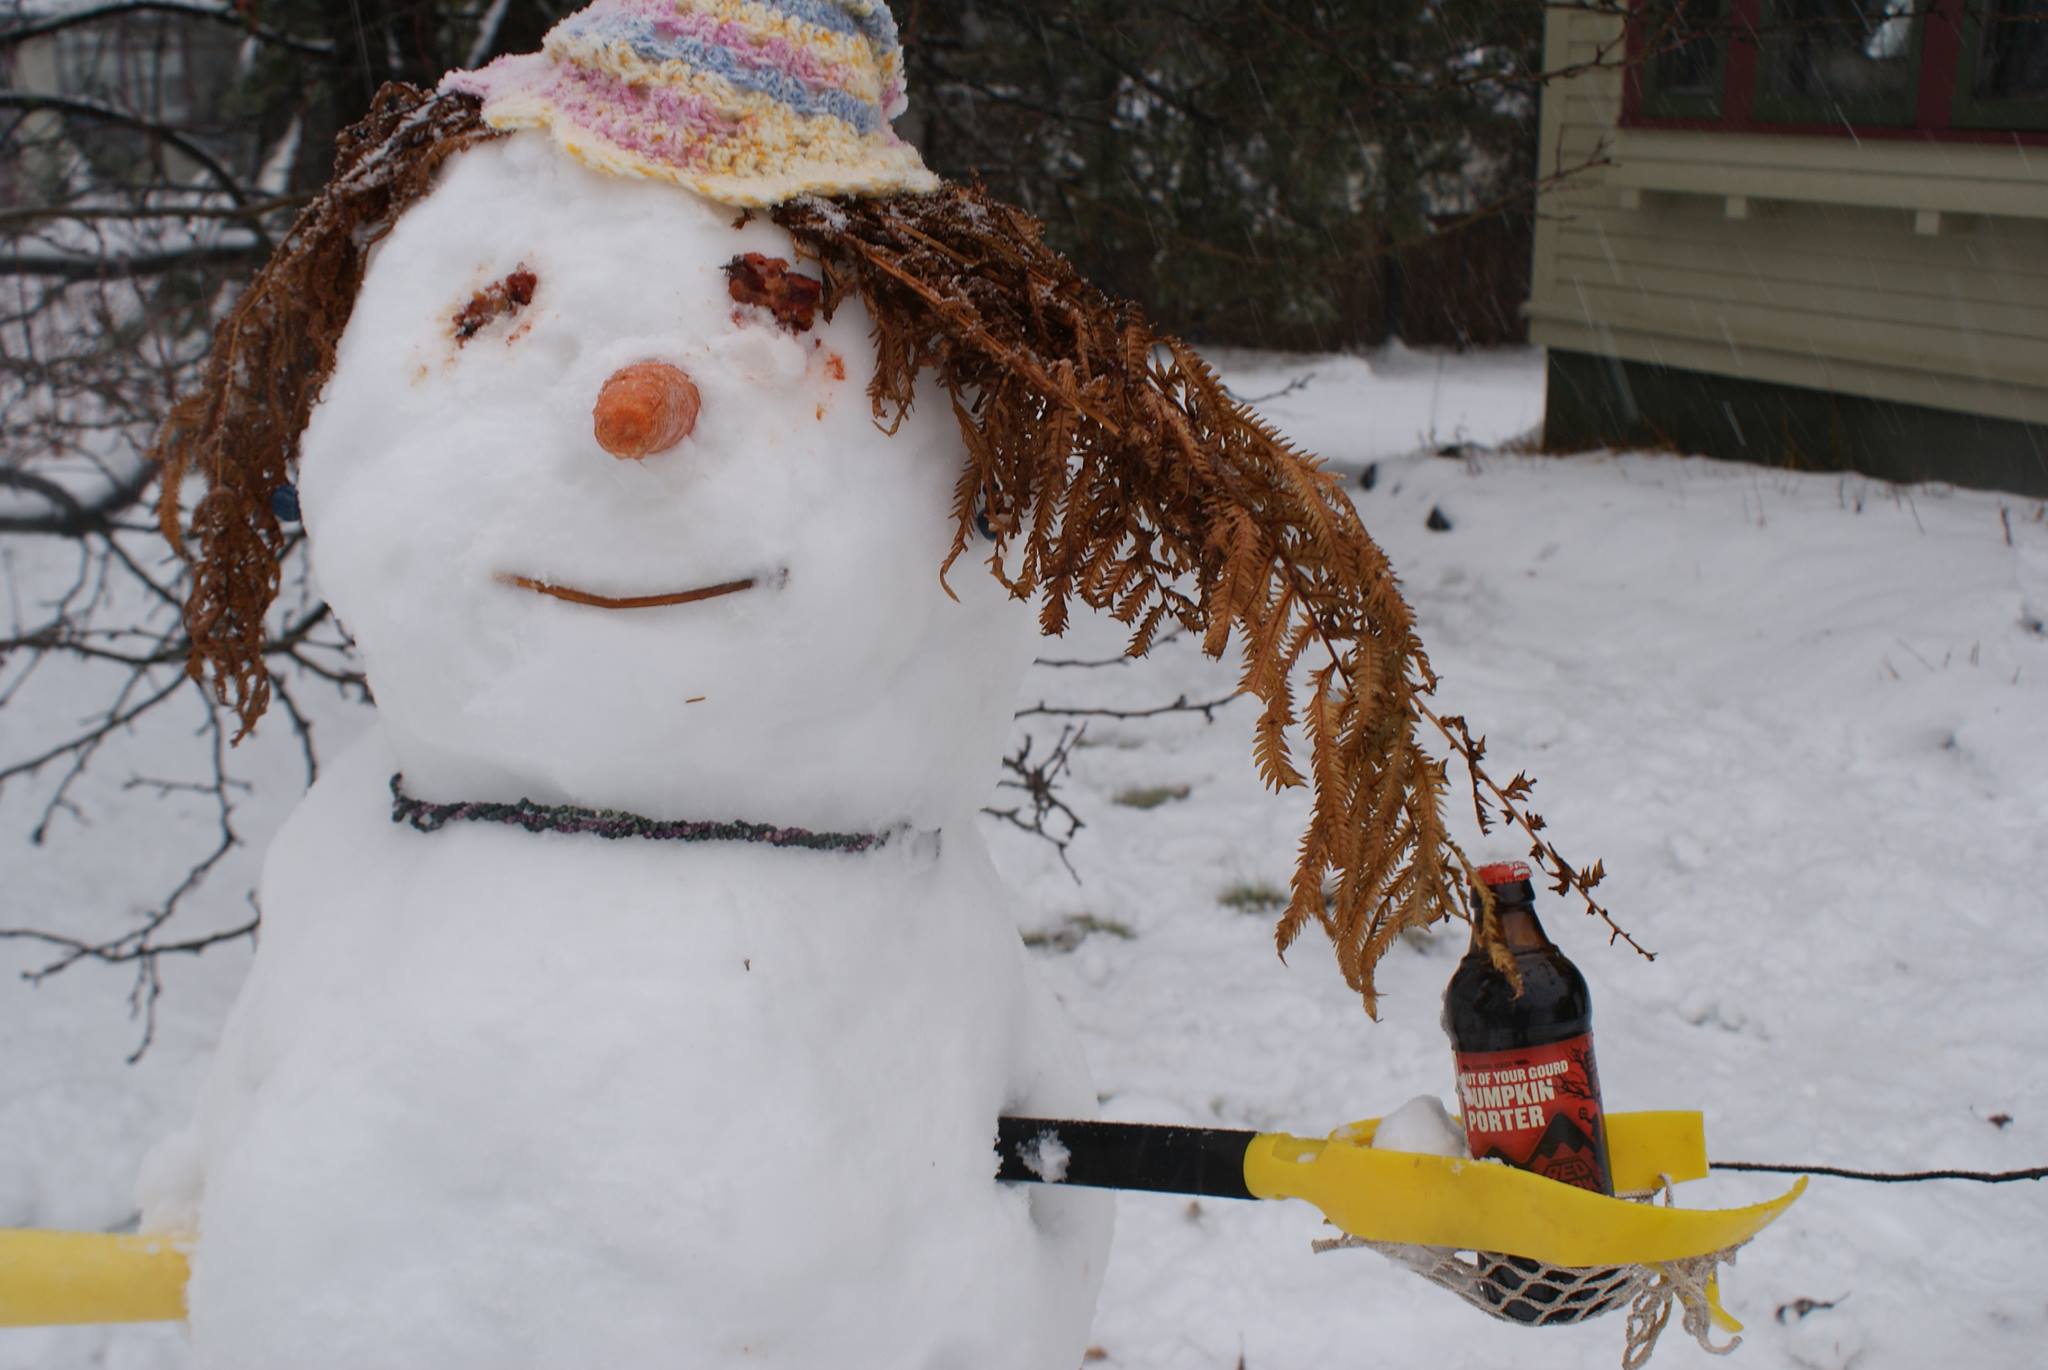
x: 1801, y: 719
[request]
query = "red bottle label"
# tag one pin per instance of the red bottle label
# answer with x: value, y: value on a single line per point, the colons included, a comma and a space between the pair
x: 1537, y: 1108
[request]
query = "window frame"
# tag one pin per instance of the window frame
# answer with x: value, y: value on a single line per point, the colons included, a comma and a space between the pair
x: 1992, y: 114
x: 1900, y: 111
x: 1662, y: 104
x: 1942, y: 110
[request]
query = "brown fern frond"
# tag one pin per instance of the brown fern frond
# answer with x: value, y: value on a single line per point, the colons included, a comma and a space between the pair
x: 1298, y: 642
x: 1265, y: 630
x: 1154, y: 495
x: 1235, y: 539
x: 1305, y: 899
x: 1269, y: 745
x: 1141, y: 641
x: 1114, y: 575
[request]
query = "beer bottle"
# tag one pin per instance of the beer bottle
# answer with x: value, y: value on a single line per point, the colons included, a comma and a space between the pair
x: 1526, y: 1080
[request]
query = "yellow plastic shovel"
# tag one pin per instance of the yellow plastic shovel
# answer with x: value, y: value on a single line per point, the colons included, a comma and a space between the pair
x: 1528, y: 1232
x: 1395, y: 1196
x: 1381, y: 1196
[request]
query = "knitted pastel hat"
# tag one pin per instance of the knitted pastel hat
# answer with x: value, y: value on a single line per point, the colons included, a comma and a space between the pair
x: 749, y: 102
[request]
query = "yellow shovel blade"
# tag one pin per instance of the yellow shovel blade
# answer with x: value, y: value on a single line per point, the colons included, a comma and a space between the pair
x: 72, y: 1277
x: 1398, y: 1196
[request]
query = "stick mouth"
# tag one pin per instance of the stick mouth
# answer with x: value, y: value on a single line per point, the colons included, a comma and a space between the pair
x: 597, y: 601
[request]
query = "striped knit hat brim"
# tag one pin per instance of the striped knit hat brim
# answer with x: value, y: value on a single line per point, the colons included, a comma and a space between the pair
x: 748, y: 102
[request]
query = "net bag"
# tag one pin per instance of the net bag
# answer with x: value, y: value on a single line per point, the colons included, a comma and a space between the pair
x: 1531, y: 1293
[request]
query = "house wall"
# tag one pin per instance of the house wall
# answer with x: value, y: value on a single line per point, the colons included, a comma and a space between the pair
x: 157, y: 66
x: 28, y: 66
x: 1899, y: 271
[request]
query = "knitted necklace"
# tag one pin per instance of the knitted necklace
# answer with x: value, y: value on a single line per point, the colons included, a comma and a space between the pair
x: 617, y: 823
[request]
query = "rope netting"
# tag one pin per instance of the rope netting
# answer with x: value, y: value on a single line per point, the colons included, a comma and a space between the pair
x: 1532, y: 1293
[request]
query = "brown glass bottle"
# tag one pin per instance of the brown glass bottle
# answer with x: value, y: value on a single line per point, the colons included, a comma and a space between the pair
x: 1527, y: 1084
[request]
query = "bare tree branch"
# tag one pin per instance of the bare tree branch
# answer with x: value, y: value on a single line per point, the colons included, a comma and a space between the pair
x: 1120, y: 659
x: 1040, y: 781
x: 240, y: 18
x: 100, y: 268
x: 170, y: 137
x: 1182, y: 705
x: 140, y: 946
x: 11, y: 219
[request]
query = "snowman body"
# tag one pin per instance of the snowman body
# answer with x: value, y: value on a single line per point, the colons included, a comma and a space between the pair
x: 501, y: 1098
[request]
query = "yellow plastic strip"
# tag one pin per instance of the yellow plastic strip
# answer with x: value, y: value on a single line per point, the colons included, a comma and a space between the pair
x: 1396, y: 1196
x: 1721, y: 1317
x: 1644, y: 1149
x: 80, y: 1277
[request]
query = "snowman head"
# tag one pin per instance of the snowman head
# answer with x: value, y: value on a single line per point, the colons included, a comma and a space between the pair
x: 734, y: 612
x: 550, y: 227
x: 608, y: 535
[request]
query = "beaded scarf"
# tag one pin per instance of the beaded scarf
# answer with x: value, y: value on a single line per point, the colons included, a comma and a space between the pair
x: 614, y: 824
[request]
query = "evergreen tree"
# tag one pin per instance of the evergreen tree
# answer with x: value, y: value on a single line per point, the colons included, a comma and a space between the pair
x: 1251, y: 169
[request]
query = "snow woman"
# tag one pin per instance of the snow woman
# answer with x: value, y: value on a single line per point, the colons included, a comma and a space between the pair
x: 688, y: 464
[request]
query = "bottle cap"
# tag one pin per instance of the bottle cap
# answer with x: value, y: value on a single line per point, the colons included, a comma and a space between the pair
x: 1504, y: 873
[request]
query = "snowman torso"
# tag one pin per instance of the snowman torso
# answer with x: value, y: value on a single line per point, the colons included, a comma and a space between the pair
x: 498, y: 1098
x: 502, y: 1099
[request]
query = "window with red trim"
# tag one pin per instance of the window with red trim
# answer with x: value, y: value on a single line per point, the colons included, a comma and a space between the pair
x: 1960, y: 70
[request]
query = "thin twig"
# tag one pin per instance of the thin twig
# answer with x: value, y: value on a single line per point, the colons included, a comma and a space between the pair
x: 1181, y: 705
x: 1547, y: 856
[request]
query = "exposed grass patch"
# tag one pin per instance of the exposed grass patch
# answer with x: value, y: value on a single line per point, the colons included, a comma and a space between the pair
x: 1075, y: 930
x: 1253, y: 896
x: 1150, y: 796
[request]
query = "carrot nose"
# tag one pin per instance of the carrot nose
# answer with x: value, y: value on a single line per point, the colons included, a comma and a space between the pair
x: 644, y: 408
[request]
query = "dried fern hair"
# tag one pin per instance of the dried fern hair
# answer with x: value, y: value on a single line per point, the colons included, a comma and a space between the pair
x: 271, y: 356
x: 1109, y: 455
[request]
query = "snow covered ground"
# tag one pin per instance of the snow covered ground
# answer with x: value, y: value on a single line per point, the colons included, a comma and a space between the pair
x: 1800, y: 717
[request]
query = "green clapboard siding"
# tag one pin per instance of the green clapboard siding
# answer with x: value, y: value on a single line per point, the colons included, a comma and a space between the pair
x: 1901, y: 273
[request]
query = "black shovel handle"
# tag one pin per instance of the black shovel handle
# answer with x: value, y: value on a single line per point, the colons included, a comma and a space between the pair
x: 1208, y: 1161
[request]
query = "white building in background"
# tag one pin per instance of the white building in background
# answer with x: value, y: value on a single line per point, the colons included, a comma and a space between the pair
x: 165, y: 66
x: 1809, y: 232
